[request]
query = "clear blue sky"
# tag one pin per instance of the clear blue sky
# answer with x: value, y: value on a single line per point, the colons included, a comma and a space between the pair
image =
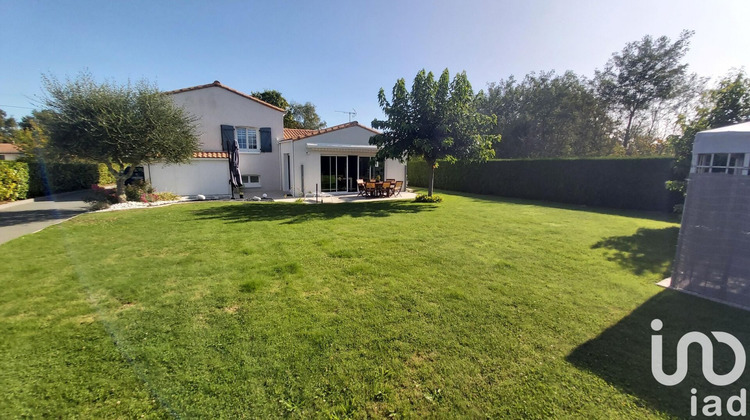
x: 338, y: 54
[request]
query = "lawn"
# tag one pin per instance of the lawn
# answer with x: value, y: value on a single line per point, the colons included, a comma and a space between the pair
x: 474, y: 307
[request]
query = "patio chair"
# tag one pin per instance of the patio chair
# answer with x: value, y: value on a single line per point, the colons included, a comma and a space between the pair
x: 397, y: 188
x: 361, y: 187
x: 391, y: 180
x: 386, y: 189
x: 370, y: 190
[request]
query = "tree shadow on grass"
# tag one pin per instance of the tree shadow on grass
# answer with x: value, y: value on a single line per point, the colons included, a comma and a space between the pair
x: 648, y: 250
x: 621, y: 354
x: 293, y: 213
x: 12, y: 218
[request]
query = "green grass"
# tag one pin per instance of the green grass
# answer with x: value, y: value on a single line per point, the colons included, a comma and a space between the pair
x: 473, y: 307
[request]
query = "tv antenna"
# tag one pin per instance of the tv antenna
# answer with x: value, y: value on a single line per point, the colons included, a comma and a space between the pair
x: 352, y: 113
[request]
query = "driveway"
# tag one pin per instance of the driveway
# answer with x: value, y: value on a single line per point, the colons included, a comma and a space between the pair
x: 29, y: 216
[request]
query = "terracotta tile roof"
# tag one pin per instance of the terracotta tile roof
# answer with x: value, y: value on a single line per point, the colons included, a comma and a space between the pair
x: 216, y: 83
x: 8, y: 148
x: 299, y: 134
x: 211, y: 155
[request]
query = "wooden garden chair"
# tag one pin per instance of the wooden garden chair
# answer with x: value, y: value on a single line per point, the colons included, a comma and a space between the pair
x: 370, y: 190
x: 397, y: 188
x: 361, y: 187
x: 386, y: 189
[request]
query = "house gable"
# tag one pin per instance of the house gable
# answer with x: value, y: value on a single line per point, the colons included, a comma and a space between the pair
x: 352, y: 133
x: 216, y: 105
x: 216, y: 83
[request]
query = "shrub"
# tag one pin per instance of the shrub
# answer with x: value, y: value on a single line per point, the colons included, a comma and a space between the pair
x: 424, y: 198
x: 105, y: 177
x: 136, y: 190
x: 162, y: 196
x: 14, y: 180
x: 623, y: 183
x: 167, y: 196
x: 101, y: 198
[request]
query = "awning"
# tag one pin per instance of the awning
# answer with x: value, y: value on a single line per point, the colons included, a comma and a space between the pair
x: 349, y: 149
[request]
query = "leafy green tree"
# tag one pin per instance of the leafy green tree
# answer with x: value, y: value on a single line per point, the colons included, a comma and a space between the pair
x: 642, y: 74
x: 549, y: 115
x: 8, y: 127
x: 121, y: 126
x: 32, y: 140
x: 437, y: 120
x: 304, y: 116
x: 728, y: 103
x: 274, y: 97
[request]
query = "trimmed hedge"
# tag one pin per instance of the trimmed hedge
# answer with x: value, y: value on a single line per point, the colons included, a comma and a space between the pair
x: 14, y: 180
x: 105, y: 178
x: 622, y: 183
x: 54, y: 178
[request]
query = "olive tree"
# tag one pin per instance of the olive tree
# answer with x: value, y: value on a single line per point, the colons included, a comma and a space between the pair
x: 121, y: 126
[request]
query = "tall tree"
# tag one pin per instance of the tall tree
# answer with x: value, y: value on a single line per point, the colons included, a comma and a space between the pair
x: 122, y: 126
x: 8, y: 126
x: 298, y: 115
x: 274, y: 97
x: 305, y: 116
x: 643, y: 73
x: 549, y: 115
x: 437, y: 120
x: 728, y: 103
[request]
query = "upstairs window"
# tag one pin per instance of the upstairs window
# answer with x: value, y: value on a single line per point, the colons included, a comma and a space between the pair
x: 247, y: 137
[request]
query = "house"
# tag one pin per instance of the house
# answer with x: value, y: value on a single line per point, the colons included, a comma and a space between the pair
x: 272, y: 158
x: 713, y: 249
x: 332, y: 159
x: 9, y: 151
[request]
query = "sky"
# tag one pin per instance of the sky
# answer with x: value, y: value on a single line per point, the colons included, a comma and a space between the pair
x: 338, y: 54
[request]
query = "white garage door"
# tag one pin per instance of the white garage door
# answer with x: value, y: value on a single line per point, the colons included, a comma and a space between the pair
x: 201, y: 176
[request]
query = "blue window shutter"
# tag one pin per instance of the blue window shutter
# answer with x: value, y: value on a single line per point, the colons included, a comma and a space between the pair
x: 265, y: 139
x: 227, y: 136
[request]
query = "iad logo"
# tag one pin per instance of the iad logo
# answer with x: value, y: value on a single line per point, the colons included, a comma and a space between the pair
x: 707, y: 348
x: 712, y: 404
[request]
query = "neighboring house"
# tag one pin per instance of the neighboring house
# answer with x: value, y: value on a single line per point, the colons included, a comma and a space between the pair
x: 9, y: 151
x: 271, y: 158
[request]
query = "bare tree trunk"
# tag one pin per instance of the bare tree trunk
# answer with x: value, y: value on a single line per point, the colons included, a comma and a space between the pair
x: 120, y: 178
x: 121, y: 198
x: 431, y: 184
x: 626, y: 139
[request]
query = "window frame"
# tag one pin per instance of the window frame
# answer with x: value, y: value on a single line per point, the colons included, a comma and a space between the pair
x: 707, y: 163
x: 247, y: 129
x: 250, y: 184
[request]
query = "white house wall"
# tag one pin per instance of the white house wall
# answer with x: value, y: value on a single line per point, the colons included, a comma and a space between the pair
x: 215, y: 106
x: 201, y: 176
x: 395, y: 170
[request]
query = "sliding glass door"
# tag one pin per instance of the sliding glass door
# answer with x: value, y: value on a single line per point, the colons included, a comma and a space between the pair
x: 333, y: 173
x: 340, y: 173
x: 370, y: 168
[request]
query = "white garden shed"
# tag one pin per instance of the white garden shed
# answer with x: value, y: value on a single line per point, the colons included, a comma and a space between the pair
x: 713, y: 250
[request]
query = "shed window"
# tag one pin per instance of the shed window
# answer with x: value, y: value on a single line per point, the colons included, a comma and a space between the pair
x: 722, y: 163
